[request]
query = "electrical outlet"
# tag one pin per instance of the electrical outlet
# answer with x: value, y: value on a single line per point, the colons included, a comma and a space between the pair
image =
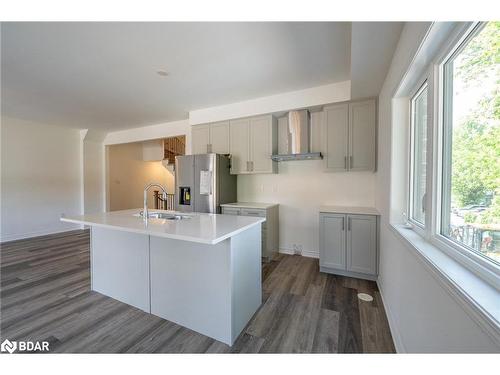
x: 296, y: 248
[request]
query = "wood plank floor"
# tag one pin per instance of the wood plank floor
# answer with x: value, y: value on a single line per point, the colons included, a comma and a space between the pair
x: 45, y: 295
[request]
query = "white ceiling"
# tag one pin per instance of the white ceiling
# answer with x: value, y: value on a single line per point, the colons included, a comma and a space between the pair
x: 103, y: 75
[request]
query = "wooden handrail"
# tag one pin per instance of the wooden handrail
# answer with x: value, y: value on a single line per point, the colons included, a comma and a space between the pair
x: 174, y: 146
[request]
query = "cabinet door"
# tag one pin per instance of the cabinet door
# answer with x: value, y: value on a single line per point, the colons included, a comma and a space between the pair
x: 219, y: 137
x: 336, y: 137
x: 238, y: 146
x: 362, y: 135
x: 201, y: 139
x: 332, y: 249
x: 261, y: 144
x: 253, y: 212
x: 362, y: 244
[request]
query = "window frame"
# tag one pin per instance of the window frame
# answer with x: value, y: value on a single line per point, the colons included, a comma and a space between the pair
x: 423, y: 84
x: 479, y: 264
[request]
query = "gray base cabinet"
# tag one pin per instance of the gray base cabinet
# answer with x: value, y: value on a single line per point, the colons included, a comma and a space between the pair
x: 270, y: 228
x: 349, y: 244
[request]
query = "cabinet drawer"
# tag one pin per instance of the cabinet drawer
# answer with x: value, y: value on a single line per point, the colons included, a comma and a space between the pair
x: 253, y: 212
x: 231, y: 211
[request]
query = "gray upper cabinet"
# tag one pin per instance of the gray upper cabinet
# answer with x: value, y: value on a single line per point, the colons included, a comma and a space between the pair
x: 362, y: 135
x: 211, y: 138
x: 336, y: 137
x: 201, y: 139
x: 219, y: 137
x: 239, y: 146
x: 263, y: 144
x: 252, y: 142
x: 350, y: 136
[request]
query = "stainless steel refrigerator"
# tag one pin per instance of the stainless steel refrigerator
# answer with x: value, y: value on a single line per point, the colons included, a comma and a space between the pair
x: 203, y: 182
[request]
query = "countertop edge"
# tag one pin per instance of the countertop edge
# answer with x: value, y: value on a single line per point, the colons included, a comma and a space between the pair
x: 164, y: 235
x: 249, y: 205
x: 349, y: 210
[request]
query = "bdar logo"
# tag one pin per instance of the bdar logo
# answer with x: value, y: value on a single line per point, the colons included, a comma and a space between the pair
x: 8, y: 346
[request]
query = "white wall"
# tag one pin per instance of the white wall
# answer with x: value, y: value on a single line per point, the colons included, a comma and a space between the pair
x: 41, y: 178
x: 128, y: 174
x: 314, y: 96
x: 164, y: 130
x: 300, y: 188
x: 423, y: 315
x: 93, y: 159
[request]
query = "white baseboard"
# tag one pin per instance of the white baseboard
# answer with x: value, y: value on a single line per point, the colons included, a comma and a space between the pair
x: 310, y: 254
x: 20, y: 236
x: 304, y: 253
x: 396, y: 337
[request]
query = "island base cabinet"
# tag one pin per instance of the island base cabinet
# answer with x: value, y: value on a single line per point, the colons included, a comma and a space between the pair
x: 211, y: 289
x: 120, y: 266
x: 349, y: 245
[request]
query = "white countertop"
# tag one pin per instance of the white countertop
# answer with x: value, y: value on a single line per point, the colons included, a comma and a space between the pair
x: 249, y: 205
x: 349, y: 210
x: 200, y: 227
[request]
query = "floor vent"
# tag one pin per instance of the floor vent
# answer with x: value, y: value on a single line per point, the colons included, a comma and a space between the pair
x: 365, y: 297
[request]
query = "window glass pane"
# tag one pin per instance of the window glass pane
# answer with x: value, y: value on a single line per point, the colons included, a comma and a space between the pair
x: 471, y: 159
x: 419, y: 159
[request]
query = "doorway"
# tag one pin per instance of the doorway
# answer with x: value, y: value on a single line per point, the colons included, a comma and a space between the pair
x: 131, y: 166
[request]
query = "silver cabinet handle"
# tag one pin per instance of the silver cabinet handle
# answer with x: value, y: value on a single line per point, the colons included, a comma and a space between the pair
x: 345, y: 162
x: 343, y: 219
x: 348, y: 223
x: 350, y: 162
x: 248, y: 166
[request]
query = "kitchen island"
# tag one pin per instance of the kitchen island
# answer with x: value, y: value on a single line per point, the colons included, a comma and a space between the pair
x: 202, y: 271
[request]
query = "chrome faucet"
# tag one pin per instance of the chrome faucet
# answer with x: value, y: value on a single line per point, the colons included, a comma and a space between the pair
x: 145, y: 212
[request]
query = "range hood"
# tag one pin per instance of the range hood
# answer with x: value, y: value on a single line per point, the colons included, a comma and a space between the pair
x: 297, y: 137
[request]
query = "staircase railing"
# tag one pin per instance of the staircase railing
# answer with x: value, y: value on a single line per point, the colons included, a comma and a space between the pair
x: 163, y: 204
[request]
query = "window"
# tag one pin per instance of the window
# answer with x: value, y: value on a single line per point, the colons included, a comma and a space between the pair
x: 470, y: 191
x: 418, y: 159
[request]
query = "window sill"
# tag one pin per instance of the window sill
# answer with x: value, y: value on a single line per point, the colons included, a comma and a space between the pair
x: 480, y: 300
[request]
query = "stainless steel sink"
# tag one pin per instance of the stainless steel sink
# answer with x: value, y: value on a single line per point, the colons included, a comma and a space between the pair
x: 164, y: 215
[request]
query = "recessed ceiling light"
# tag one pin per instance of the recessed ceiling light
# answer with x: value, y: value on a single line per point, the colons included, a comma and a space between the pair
x: 162, y: 72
